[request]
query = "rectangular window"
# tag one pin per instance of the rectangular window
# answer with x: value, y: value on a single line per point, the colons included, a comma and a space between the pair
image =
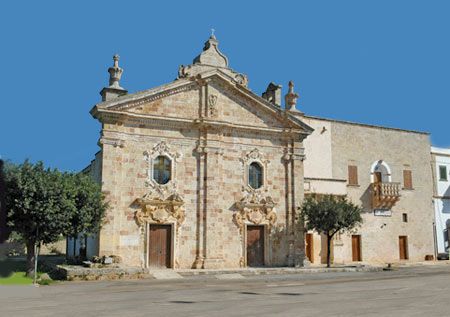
x: 352, y: 175
x: 405, y: 217
x: 443, y: 173
x: 407, y: 179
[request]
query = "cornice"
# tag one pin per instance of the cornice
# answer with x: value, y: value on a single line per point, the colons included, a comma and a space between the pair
x: 112, y: 116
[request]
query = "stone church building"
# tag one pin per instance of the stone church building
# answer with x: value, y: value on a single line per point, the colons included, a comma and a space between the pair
x: 200, y: 172
x: 204, y: 173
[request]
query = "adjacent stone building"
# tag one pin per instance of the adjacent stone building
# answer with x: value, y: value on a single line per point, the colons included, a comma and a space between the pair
x: 387, y: 172
x: 204, y: 173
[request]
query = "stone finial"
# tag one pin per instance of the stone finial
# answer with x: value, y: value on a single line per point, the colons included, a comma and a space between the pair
x: 291, y: 98
x: 115, y: 73
x: 211, y: 55
x: 211, y: 59
x: 114, y: 89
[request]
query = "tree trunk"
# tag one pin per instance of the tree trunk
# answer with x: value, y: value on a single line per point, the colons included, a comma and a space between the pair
x: 328, y: 250
x: 83, y: 251
x: 30, y: 257
x: 74, y: 246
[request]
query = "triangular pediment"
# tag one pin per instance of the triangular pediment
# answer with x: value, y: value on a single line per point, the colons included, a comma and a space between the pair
x: 223, y: 100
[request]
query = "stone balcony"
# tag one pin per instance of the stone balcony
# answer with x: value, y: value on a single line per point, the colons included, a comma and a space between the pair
x: 385, y: 194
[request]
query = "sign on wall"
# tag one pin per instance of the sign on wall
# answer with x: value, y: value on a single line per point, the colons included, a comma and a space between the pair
x: 129, y: 240
x: 382, y: 212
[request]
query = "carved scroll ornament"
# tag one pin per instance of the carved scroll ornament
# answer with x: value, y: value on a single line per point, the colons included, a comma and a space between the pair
x: 157, y: 210
x: 254, y: 209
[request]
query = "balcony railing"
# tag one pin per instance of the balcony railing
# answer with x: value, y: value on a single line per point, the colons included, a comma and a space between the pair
x: 385, y: 195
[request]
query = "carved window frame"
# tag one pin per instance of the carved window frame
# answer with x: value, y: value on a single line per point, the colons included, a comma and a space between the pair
x: 255, y: 156
x: 161, y: 149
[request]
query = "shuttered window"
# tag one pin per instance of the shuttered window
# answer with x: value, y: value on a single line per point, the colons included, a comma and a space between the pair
x: 407, y: 179
x: 352, y: 175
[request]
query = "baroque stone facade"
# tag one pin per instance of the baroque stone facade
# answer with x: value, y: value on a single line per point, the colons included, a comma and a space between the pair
x: 183, y: 155
x: 203, y: 173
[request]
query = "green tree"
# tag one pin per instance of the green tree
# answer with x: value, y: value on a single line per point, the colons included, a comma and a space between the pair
x: 45, y: 204
x: 90, y: 208
x: 39, y: 202
x: 328, y: 215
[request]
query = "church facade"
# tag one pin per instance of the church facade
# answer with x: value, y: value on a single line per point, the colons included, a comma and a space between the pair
x: 201, y: 172
x: 204, y: 173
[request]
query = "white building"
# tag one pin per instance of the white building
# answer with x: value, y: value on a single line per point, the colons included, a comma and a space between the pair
x: 441, y: 197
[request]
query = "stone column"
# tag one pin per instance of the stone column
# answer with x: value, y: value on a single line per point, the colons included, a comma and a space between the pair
x: 200, y: 208
x: 213, y: 206
x: 288, y: 213
x: 298, y: 232
x: 201, y: 175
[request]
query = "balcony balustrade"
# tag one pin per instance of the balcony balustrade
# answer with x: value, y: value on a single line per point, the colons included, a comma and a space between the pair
x: 385, y: 194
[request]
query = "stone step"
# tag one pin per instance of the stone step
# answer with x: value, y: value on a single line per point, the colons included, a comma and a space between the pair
x: 165, y: 275
x: 276, y: 271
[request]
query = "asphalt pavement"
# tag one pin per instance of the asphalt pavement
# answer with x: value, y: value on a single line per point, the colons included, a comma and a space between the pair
x: 410, y: 291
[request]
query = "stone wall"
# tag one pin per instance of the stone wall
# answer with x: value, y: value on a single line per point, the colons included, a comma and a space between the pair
x: 362, y: 145
x: 209, y: 174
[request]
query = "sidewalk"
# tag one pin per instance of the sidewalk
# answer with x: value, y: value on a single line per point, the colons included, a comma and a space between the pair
x: 77, y: 273
x: 424, y: 263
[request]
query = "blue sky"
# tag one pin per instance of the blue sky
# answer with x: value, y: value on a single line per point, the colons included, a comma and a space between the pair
x: 377, y: 62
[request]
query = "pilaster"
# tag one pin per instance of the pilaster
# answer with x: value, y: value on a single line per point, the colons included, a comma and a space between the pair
x: 298, y: 231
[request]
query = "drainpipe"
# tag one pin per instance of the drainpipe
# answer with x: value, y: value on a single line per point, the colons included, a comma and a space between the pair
x: 435, y: 241
x: 433, y: 201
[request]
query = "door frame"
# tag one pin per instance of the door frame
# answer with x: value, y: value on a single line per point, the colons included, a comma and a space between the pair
x: 359, y: 247
x: 266, y: 243
x: 310, y: 245
x: 148, y: 243
x: 406, y: 247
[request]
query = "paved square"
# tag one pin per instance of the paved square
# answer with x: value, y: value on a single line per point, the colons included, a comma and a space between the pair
x: 404, y: 292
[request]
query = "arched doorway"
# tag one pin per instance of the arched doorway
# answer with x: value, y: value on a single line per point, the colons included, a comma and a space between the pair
x: 380, y: 172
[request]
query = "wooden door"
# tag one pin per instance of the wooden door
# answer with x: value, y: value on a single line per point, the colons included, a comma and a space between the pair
x: 403, y: 247
x: 160, y: 246
x: 255, y: 246
x: 378, y: 177
x: 310, y: 247
x: 356, y: 248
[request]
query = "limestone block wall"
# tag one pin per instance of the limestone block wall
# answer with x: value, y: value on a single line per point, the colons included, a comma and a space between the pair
x: 125, y: 172
x: 362, y: 145
x: 401, y: 150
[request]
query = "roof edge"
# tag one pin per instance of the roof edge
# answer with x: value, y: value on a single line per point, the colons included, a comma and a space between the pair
x: 440, y: 150
x: 367, y: 125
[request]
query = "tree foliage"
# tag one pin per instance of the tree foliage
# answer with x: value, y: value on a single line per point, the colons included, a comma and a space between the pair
x: 44, y: 204
x: 90, y: 208
x: 329, y: 214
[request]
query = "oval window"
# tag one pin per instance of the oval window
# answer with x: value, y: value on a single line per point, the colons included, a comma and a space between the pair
x: 162, y: 169
x: 255, y: 175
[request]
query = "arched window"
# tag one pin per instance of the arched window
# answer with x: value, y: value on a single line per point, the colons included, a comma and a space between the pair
x: 255, y: 175
x: 380, y: 172
x: 162, y: 169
